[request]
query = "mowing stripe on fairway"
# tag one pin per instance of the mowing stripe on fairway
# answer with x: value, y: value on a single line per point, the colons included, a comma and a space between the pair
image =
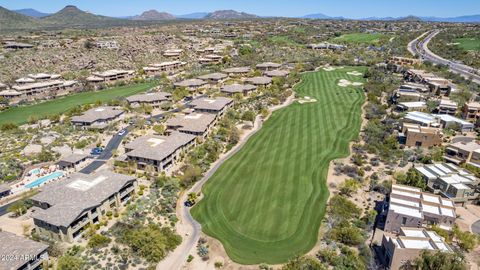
x: 266, y: 203
x: 20, y: 115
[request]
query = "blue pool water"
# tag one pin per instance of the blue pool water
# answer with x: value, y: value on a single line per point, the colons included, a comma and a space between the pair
x: 43, y: 179
x: 35, y: 171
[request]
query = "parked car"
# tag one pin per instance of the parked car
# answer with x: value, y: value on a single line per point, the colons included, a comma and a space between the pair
x: 96, y: 151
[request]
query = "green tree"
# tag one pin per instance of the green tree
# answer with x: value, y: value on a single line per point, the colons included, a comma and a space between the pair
x: 429, y: 260
x: 341, y: 209
x: 303, y: 263
x: 160, y: 129
x: 69, y: 262
x: 248, y: 116
x: 349, y: 186
x: 98, y: 241
x: 191, y: 174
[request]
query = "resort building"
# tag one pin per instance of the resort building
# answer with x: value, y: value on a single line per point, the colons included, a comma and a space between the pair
x: 268, y: 66
x: 210, y: 59
x: 410, y: 207
x: 69, y: 207
x: 5, y: 190
x: 72, y: 162
x: 260, y: 81
x: 460, y: 152
x: 412, y: 106
x: 97, y: 118
x: 237, y: 71
x: 20, y: 253
x: 216, y: 106
x: 448, y: 121
x: 276, y: 73
x: 471, y: 111
x: 407, y: 95
x: 421, y: 118
x: 164, y: 67
x: 233, y: 89
x: 399, y: 252
x: 159, y: 152
x: 111, y: 76
x: 214, y: 78
x: 154, y: 99
x: 198, y: 124
x: 173, y: 53
x: 451, y: 182
x: 191, y: 84
x: 447, y: 106
x: 414, y: 135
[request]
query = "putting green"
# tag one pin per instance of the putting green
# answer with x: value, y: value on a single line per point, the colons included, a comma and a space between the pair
x: 266, y: 203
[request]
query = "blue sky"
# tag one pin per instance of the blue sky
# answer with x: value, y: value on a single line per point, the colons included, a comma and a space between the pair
x: 289, y: 8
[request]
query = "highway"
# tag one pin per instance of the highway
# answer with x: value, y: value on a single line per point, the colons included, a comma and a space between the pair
x: 419, y: 47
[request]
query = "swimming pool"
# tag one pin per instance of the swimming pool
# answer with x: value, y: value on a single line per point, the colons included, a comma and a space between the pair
x: 44, y: 179
x: 34, y: 171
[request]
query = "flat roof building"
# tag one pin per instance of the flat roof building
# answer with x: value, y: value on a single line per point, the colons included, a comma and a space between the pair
x: 450, y: 181
x: 414, y: 135
x: 401, y: 250
x: 410, y: 207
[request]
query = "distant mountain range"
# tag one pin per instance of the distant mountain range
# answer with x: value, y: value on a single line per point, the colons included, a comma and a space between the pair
x: 461, y: 19
x: 153, y: 15
x: 229, y: 15
x: 31, y: 12
x: 71, y: 16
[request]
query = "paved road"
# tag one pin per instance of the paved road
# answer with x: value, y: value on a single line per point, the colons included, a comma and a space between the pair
x: 419, y: 47
x: 476, y: 227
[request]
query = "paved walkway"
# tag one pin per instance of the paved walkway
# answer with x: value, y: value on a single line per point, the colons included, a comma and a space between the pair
x: 188, y: 227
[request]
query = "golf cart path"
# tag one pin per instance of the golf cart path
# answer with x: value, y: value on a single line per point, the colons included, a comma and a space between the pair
x: 188, y: 227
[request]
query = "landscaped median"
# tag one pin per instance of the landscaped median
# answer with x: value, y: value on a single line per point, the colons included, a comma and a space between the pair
x: 19, y: 115
x: 266, y: 203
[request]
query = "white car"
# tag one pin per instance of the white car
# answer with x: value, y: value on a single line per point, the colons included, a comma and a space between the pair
x: 121, y: 132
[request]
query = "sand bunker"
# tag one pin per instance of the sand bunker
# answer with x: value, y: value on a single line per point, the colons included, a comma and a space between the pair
x: 354, y: 73
x: 345, y: 83
x: 306, y: 100
x: 331, y: 68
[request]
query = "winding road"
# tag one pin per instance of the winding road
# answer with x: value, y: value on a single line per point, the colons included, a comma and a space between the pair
x: 419, y: 47
x: 190, y: 227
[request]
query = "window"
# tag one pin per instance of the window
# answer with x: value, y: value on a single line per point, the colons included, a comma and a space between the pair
x: 404, y: 220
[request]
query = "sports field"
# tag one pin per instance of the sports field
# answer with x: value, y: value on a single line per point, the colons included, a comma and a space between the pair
x: 20, y: 115
x: 469, y: 44
x: 266, y: 203
x: 360, y: 38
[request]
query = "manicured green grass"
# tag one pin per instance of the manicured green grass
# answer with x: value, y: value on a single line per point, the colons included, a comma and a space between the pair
x: 360, y: 38
x: 20, y: 115
x: 469, y: 44
x: 283, y: 40
x: 266, y: 203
